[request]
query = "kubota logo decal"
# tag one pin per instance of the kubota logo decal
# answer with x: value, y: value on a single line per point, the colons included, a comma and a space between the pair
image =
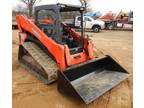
x: 36, y: 33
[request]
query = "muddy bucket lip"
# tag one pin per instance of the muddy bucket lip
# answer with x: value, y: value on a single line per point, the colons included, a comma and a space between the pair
x: 68, y: 80
x: 102, y: 93
x: 88, y: 102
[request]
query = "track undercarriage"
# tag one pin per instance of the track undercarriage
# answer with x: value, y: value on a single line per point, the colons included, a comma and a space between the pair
x: 39, y: 63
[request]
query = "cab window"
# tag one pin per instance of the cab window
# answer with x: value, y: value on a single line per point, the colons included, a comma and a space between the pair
x: 87, y: 19
x: 79, y: 19
x: 47, y: 21
x: 46, y: 17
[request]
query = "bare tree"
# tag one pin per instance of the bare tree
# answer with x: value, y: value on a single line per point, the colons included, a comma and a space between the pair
x: 30, y: 4
x: 85, y: 3
x: 20, y: 9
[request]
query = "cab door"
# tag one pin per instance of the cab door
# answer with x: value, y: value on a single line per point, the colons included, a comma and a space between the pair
x: 88, y: 22
x: 78, y: 21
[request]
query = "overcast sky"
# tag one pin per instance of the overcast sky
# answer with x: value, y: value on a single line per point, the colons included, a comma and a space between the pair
x: 96, y: 5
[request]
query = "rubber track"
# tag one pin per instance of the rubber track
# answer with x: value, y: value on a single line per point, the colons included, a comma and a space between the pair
x: 49, y: 66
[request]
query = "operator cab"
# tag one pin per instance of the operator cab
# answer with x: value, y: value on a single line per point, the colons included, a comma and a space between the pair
x: 49, y: 20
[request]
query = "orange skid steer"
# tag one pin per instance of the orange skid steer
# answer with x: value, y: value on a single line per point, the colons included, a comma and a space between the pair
x: 52, y: 51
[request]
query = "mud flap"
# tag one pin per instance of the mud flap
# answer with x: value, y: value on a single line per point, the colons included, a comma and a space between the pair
x: 88, y: 81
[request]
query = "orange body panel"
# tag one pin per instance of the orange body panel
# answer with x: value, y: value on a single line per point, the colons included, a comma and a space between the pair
x: 61, y: 52
x: 75, y: 58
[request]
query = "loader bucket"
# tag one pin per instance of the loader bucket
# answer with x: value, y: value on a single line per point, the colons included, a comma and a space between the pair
x: 89, y: 80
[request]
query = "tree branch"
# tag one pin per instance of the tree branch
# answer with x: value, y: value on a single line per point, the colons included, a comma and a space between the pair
x: 25, y: 1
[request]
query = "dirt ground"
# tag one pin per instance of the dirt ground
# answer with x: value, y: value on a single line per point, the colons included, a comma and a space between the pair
x: 28, y: 92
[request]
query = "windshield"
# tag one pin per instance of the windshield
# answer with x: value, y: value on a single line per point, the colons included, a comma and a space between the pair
x: 89, y: 18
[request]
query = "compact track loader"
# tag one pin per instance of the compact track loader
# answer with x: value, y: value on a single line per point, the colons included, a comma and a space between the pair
x: 52, y: 51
